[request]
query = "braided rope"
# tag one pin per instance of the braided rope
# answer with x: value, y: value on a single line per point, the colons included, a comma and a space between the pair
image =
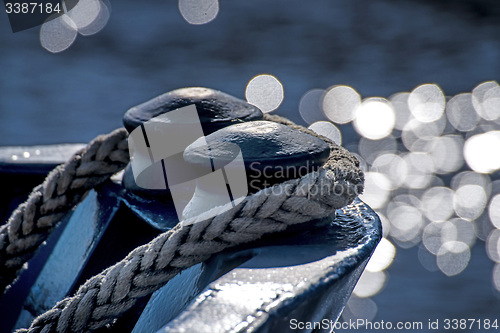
x: 109, y: 294
x: 34, y: 220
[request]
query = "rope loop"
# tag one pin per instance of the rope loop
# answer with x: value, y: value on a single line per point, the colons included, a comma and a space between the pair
x: 111, y: 293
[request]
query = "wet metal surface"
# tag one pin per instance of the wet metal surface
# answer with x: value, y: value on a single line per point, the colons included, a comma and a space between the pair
x: 35, y: 159
x: 74, y: 247
x: 166, y: 303
x: 272, y: 152
x: 215, y: 109
x: 159, y: 212
x: 307, y: 276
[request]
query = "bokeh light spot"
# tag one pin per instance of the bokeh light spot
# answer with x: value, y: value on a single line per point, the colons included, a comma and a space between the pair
x: 100, y: 20
x: 310, y: 108
x: 493, y: 245
x: 406, y: 222
x: 428, y: 130
x: 453, y: 257
x: 460, y: 230
x: 199, y: 11
x: 446, y: 153
x: 371, y: 149
x: 469, y: 201
x: 382, y: 257
x: 471, y: 178
x: 427, y: 103
x: 437, y: 203
x: 327, y: 129
x: 370, y: 283
x: 494, y: 211
x: 84, y: 13
x: 481, y: 152
x: 359, y: 308
x: 420, y: 170
x: 265, y: 92
x: 461, y: 113
x: 496, y: 277
x: 403, y: 114
x: 340, y: 104
x: 486, y: 99
x: 415, y: 133
x: 377, y: 189
x: 431, y: 237
x: 58, y: 34
x: 491, y: 104
x: 393, y: 167
x: 374, y: 118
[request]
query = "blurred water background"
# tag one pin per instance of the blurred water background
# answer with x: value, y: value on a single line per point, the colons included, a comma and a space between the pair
x: 376, y: 48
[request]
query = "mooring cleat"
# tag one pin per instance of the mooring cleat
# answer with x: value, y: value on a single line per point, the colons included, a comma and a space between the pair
x: 216, y: 109
x: 302, y: 270
x: 280, y: 283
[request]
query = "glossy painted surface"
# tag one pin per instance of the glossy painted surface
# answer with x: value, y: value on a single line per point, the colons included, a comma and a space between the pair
x: 303, y: 274
x: 76, y: 244
x: 35, y: 159
x: 158, y: 211
x: 272, y: 152
x: 307, y: 275
x: 55, y: 269
x: 262, y: 141
x: 215, y: 108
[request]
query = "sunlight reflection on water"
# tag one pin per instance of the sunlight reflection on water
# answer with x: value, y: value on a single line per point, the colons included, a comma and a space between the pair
x: 415, y: 146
